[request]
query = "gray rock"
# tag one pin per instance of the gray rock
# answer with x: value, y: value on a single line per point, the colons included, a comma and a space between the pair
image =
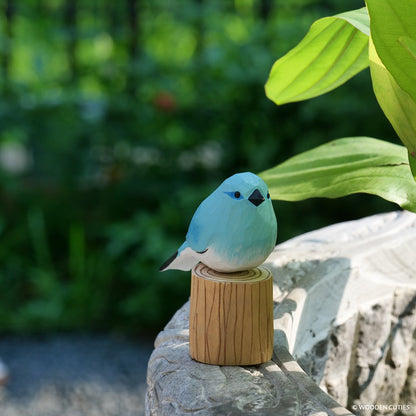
x: 344, y: 320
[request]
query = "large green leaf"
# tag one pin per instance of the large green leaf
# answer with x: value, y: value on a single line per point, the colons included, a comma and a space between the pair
x: 397, y: 105
x: 412, y: 162
x: 334, y: 50
x: 393, y: 29
x: 409, y: 44
x: 343, y: 167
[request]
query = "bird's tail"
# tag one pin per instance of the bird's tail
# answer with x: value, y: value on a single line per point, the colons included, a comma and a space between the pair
x: 168, y: 262
x: 184, y: 259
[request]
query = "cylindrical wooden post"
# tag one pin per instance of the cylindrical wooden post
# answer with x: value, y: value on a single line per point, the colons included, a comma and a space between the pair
x: 231, y: 317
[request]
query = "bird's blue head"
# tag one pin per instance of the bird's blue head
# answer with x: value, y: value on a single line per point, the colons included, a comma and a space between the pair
x: 246, y: 186
x: 235, y: 224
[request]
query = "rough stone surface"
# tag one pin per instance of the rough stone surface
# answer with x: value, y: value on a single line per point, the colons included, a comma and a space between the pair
x: 409, y: 391
x: 344, y: 319
x: 180, y: 385
x: 355, y: 314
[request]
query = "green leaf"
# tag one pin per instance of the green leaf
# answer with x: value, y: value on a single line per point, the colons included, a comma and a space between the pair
x: 343, y: 167
x: 412, y: 162
x: 393, y: 29
x: 409, y: 44
x: 333, y: 51
x: 397, y: 105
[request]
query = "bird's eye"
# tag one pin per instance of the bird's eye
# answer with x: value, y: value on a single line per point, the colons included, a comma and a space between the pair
x: 235, y: 195
x: 268, y: 195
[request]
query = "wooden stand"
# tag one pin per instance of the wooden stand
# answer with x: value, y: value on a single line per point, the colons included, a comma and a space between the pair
x: 231, y: 316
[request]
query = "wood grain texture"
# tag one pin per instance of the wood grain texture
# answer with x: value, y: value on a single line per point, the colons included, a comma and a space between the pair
x: 231, y: 316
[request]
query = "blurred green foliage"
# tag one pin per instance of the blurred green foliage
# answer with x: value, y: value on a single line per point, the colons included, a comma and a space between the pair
x: 118, y: 118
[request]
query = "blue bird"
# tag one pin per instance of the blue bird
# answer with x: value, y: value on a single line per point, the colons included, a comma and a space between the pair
x: 233, y: 229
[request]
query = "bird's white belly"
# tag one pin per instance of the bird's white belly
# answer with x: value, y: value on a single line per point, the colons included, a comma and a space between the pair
x: 222, y: 262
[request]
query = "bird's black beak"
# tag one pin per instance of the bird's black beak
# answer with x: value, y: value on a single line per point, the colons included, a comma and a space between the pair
x: 256, y: 198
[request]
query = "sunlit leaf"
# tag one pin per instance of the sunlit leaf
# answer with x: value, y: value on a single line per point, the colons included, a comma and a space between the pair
x: 397, y: 105
x: 343, y: 167
x: 334, y: 50
x: 393, y: 30
x: 409, y: 44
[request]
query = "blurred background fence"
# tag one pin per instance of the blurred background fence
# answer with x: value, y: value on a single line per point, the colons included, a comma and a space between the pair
x: 118, y: 118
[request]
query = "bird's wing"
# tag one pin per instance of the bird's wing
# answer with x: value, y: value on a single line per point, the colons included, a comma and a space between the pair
x: 184, y: 259
x: 201, y: 233
x: 203, y: 225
